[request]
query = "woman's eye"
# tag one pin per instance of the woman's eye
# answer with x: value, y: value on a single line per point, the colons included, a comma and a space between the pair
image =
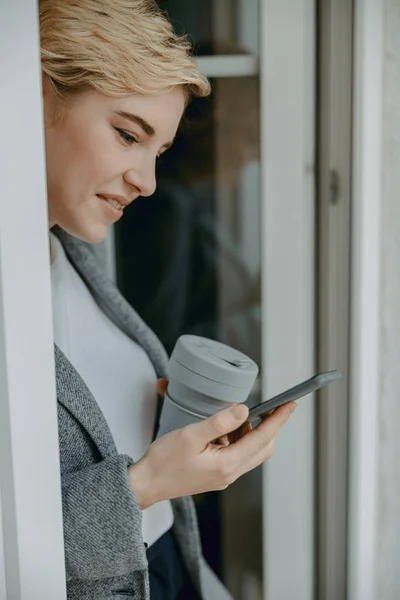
x: 127, y: 137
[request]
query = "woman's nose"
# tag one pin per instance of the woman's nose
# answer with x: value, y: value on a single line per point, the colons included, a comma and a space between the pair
x: 143, y: 180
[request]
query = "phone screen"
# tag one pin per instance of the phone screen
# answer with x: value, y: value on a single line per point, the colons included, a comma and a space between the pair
x: 294, y: 393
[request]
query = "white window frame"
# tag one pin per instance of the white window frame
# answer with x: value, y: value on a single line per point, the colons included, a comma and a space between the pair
x: 365, y: 300
x: 234, y: 65
x: 32, y: 550
x: 288, y: 258
x: 335, y: 52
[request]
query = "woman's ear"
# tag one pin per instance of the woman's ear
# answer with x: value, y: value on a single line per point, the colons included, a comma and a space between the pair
x: 47, y: 98
x: 45, y: 85
x: 53, y: 106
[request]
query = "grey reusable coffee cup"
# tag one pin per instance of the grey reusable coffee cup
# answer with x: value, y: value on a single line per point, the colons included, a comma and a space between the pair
x: 204, y: 376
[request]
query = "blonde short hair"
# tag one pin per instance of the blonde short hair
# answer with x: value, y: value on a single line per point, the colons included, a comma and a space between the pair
x: 117, y: 47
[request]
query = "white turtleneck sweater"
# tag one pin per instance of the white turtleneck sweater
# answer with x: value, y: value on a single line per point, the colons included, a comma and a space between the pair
x: 116, y: 369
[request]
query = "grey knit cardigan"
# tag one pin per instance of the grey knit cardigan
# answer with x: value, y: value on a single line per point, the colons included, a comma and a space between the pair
x: 105, y: 552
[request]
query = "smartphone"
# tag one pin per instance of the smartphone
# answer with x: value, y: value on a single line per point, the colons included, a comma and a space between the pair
x: 303, y: 389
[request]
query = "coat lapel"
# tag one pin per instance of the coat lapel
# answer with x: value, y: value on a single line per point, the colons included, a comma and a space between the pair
x: 75, y: 396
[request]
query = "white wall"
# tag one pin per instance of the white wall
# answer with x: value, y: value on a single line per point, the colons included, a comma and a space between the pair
x: 388, y: 518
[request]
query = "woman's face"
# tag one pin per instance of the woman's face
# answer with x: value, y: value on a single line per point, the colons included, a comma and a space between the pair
x: 104, y: 148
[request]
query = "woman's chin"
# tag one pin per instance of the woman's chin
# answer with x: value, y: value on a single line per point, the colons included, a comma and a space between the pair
x: 92, y: 234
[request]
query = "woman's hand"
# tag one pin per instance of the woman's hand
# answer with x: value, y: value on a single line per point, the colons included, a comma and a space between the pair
x: 185, y: 462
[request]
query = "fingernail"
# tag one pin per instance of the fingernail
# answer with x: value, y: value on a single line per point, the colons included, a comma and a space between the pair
x: 239, y: 411
x: 292, y: 408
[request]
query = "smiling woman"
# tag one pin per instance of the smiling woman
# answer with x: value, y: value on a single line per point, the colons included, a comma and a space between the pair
x: 116, y: 80
x: 109, y: 110
x: 102, y: 152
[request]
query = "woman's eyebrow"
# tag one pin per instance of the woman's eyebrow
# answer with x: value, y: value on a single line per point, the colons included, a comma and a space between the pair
x: 147, y: 128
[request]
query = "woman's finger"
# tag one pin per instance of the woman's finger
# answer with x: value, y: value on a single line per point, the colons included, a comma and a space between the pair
x: 247, y: 450
x: 161, y: 386
x: 234, y: 436
x: 220, y: 442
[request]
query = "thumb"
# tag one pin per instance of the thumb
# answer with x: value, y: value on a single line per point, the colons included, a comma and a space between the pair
x: 219, y: 424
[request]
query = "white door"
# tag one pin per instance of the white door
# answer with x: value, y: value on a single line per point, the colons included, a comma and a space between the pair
x: 275, y: 235
x: 288, y: 239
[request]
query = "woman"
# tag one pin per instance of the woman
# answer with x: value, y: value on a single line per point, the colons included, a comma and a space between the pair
x: 115, y: 84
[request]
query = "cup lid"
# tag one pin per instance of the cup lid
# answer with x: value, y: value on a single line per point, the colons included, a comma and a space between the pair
x: 215, y: 361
